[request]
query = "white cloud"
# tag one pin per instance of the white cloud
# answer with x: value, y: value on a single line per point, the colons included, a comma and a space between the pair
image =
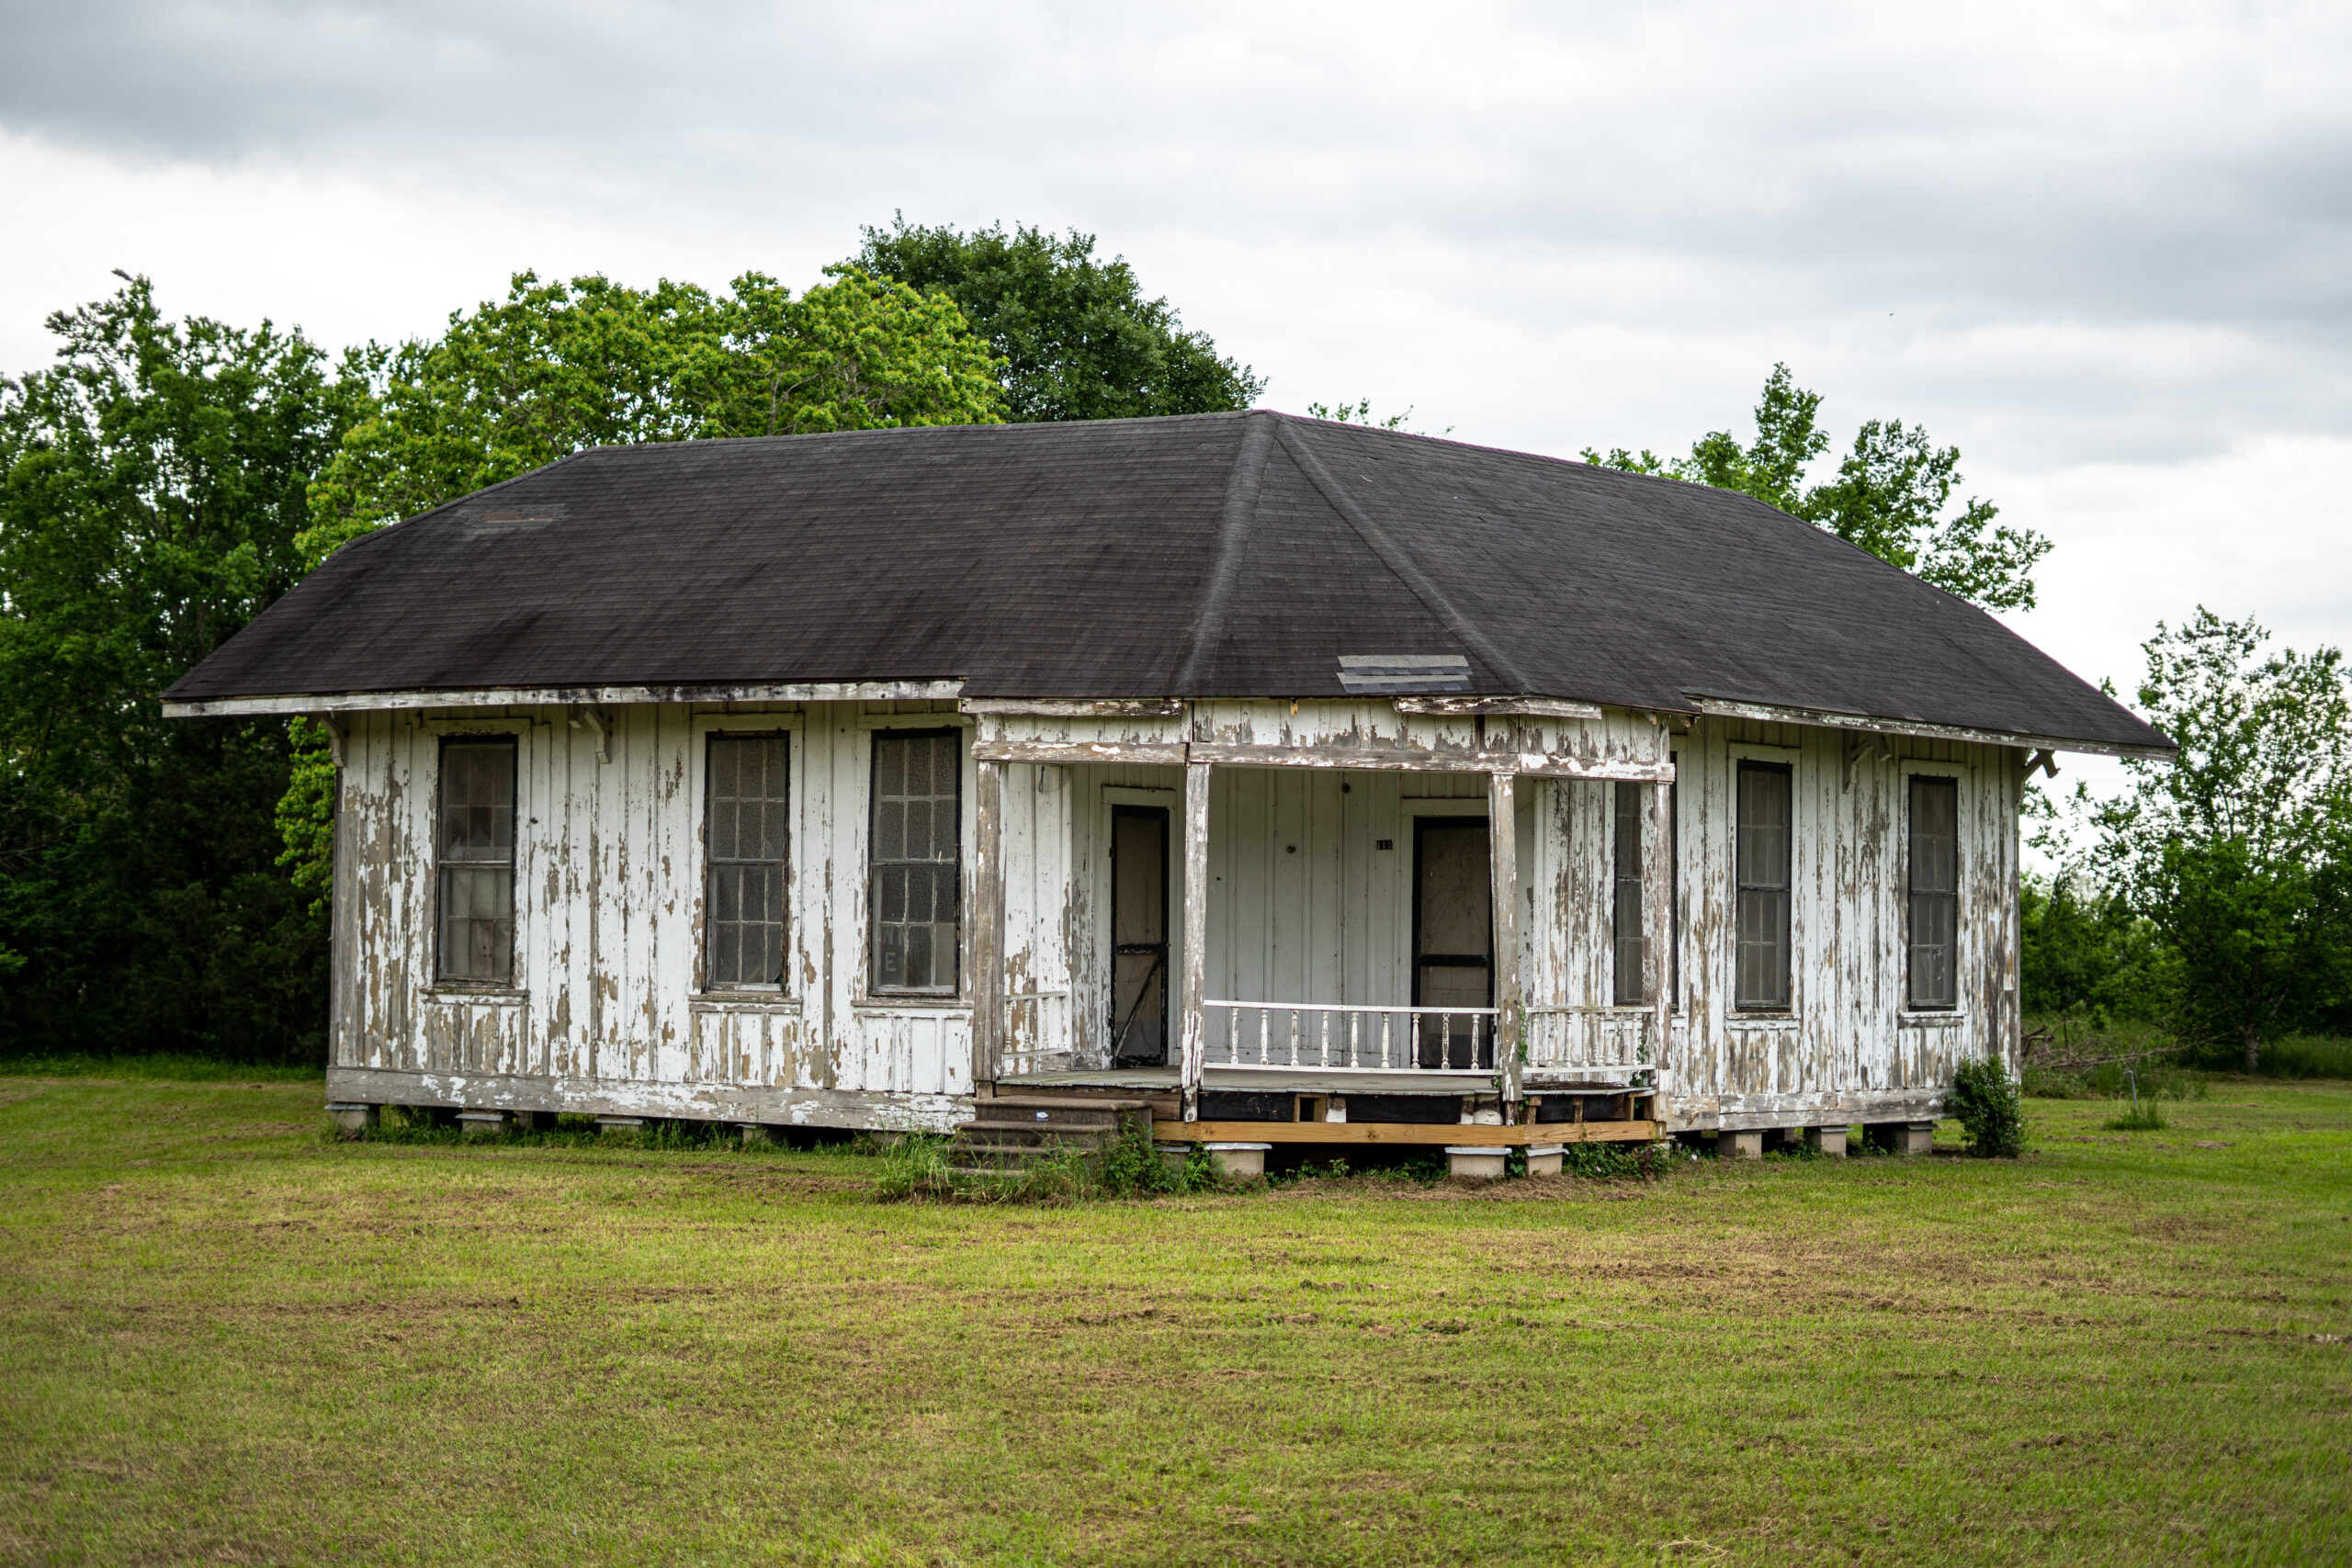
x: 2107, y: 249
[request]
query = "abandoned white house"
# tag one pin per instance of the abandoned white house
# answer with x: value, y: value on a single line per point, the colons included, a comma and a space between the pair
x: 1306, y: 782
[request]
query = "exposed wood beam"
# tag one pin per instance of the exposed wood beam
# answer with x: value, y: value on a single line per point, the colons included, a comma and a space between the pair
x: 1151, y: 752
x: 1423, y: 1133
x: 1724, y: 707
x: 1196, y: 935
x: 1076, y: 708
x: 1502, y: 846
x: 1509, y: 708
x: 1528, y: 764
x: 985, y: 945
x: 561, y: 696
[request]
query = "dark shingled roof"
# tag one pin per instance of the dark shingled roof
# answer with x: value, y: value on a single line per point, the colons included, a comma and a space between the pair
x: 1215, y: 555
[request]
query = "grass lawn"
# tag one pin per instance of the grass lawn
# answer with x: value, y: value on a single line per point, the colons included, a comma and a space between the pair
x: 224, y: 1338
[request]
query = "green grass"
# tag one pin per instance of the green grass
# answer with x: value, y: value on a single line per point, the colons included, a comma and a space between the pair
x: 225, y: 1338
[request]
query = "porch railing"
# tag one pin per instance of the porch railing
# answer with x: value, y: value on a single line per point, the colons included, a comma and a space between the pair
x: 1290, y: 1035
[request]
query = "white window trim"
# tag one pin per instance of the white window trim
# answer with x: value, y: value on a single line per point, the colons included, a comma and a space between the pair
x: 1800, y: 826
x: 792, y: 725
x: 1905, y: 1013
x: 432, y: 732
x: 863, y: 1000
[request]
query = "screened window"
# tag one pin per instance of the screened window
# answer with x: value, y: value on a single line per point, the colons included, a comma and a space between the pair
x: 745, y: 827
x: 1632, y: 949
x: 1934, y: 980
x: 1764, y: 857
x: 475, y: 848
x: 914, y: 886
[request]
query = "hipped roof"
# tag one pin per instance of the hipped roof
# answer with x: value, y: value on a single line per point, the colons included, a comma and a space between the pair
x: 1212, y: 554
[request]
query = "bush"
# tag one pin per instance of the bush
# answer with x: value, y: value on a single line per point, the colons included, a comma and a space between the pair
x: 1984, y: 1100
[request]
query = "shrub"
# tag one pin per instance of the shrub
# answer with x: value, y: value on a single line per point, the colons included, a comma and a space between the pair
x: 1984, y: 1100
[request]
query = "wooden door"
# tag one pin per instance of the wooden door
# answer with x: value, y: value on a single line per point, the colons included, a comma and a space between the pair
x: 1454, y: 963
x: 1138, y: 935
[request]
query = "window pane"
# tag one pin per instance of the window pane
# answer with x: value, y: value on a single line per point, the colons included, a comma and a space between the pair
x: 1934, y: 902
x: 913, y: 885
x: 475, y: 889
x: 1764, y: 873
x: 747, y: 830
x: 1632, y: 949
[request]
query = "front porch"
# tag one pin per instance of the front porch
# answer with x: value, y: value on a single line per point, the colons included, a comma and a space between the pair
x: 1368, y: 923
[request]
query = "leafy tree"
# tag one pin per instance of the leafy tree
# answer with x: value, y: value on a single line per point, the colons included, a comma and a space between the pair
x: 558, y: 367
x: 2087, y: 951
x: 1892, y: 494
x: 1076, y: 335
x: 152, y: 484
x: 2239, y: 852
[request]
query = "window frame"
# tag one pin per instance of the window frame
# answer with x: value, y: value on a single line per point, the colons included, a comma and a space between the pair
x: 872, y: 988
x: 1957, y: 778
x: 1620, y: 794
x: 511, y: 740
x: 1786, y: 1005
x: 705, y: 984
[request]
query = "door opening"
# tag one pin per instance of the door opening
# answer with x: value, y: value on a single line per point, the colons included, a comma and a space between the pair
x: 1454, y: 963
x: 1139, y: 936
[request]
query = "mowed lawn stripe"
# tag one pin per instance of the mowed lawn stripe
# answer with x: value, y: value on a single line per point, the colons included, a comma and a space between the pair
x: 226, y: 1336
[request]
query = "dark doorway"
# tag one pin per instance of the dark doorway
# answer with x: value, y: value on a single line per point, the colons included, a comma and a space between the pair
x: 1454, y: 963
x: 1139, y: 936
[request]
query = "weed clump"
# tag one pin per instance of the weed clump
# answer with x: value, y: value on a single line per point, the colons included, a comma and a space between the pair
x: 917, y: 1168
x: 1984, y: 1100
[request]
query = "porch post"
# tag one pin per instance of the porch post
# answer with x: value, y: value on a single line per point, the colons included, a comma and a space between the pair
x: 1503, y: 844
x: 987, y: 941
x: 1657, y: 907
x: 1196, y: 931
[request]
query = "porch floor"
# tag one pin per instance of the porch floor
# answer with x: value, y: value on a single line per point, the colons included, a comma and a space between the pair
x: 1264, y: 1080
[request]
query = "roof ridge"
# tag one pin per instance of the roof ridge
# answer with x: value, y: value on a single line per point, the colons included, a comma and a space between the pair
x: 1406, y: 570
x: 1241, y: 509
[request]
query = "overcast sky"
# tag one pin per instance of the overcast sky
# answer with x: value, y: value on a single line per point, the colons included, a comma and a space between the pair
x: 2105, y: 249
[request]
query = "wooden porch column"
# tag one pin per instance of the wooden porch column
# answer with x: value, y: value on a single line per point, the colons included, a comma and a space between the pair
x: 1502, y: 847
x: 1657, y: 907
x: 986, y: 942
x: 1197, y: 932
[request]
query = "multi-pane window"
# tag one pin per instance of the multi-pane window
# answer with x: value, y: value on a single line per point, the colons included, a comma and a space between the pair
x: 745, y: 827
x: 474, y: 846
x: 1933, y: 980
x: 1631, y: 948
x: 1764, y: 857
x: 914, y: 886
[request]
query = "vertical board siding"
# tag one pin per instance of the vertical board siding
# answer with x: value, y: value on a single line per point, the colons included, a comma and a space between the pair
x: 1302, y: 906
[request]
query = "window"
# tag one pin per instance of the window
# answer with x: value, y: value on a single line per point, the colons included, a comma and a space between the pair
x: 1764, y: 858
x: 914, y: 886
x: 1632, y: 949
x: 476, y: 849
x: 745, y: 831
x: 1934, y: 978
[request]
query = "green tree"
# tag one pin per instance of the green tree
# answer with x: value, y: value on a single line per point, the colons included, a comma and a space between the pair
x: 152, y: 484
x: 557, y: 368
x: 1077, y: 338
x: 2239, y: 850
x: 1892, y: 494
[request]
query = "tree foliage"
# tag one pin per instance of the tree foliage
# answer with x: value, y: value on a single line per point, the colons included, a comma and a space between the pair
x: 1891, y: 495
x: 557, y: 368
x: 1076, y: 336
x: 2238, y: 853
x: 153, y: 481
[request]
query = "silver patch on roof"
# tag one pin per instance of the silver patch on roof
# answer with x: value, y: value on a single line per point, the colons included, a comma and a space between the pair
x: 1385, y: 675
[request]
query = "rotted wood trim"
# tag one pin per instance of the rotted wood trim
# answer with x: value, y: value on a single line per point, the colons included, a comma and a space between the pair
x: 1196, y: 936
x: 987, y: 941
x: 1527, y: 764
x: 1423, y: 1133
x: 875, y: 1110
x: 1502, y: 875
x: 1154, y: 753
x: 1075, y: 708
x: 1508, y: 707
x: 1724, y: 707
x: 559, y: 696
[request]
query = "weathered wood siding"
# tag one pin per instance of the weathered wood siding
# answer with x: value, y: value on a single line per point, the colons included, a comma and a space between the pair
x: 608, y: 946
x: 608, y: 1010
x: 1847, y: 1043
